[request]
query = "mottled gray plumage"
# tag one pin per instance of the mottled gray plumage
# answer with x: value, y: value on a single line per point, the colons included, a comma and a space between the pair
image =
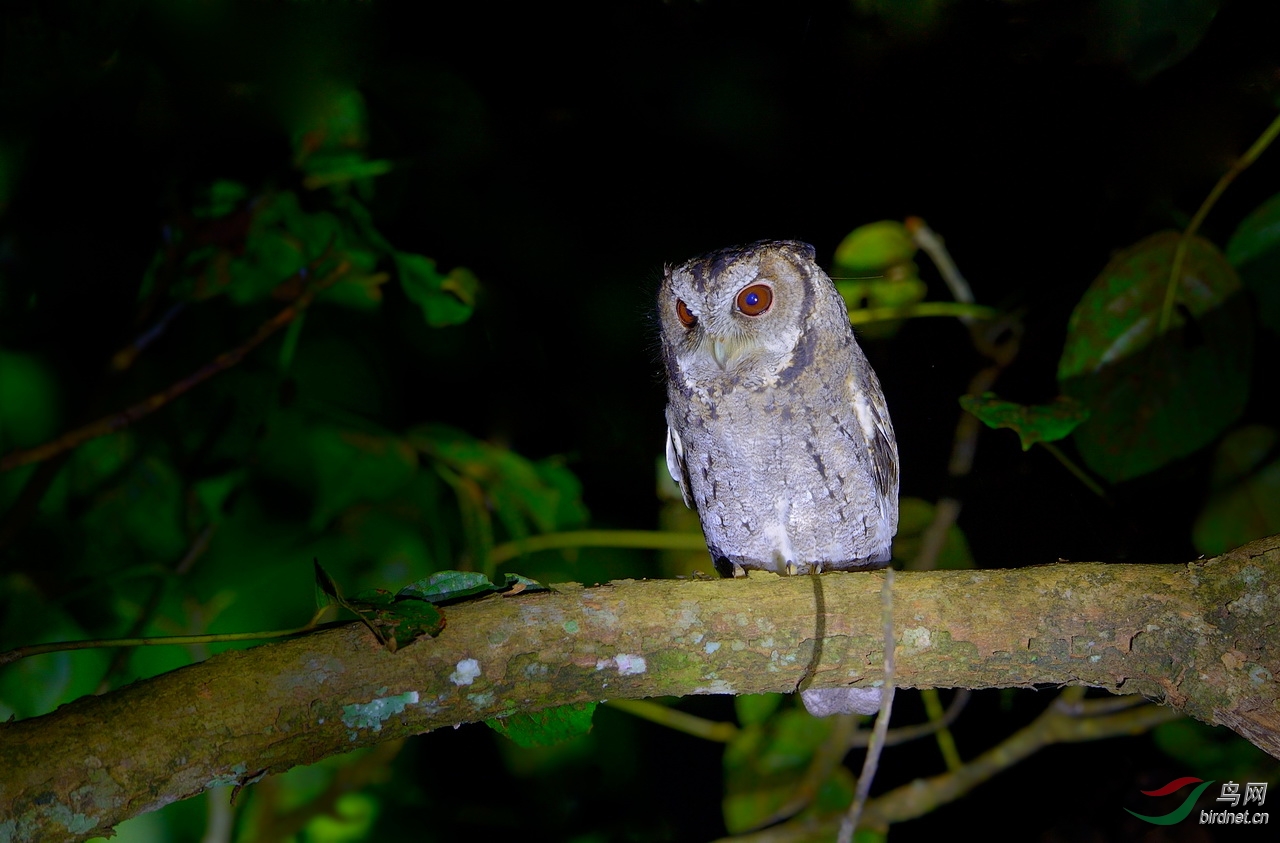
x: 777, y: 429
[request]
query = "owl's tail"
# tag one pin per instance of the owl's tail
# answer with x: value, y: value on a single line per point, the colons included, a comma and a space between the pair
x: 824, y: 702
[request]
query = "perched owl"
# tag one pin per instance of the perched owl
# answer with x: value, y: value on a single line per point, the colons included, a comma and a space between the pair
x: 777, y: 430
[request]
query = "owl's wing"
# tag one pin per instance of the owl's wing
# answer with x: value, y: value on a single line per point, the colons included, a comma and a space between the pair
x: 675, y: 465
x: 873, y: 418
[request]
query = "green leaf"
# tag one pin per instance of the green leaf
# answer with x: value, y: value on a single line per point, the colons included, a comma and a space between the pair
x: 396, y: 620
x: 400, y: 621
x: 444, y: 299
x: 1033, y: 423
x: 1254, y: 250
x: 1246, y: 502
x: 327, y: 593
x: 452, y: 586
x: 547, y: 727
x: 1154, y: 398
x: 517, y: 584
x: 444, y: 586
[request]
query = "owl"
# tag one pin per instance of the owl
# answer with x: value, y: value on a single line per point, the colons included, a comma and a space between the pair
x: 777, y: 431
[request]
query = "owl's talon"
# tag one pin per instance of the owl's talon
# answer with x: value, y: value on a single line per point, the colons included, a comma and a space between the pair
x: 739, y: 572
x: 792, y: 569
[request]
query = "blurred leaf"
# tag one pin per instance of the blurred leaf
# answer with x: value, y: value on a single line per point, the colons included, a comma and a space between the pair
x: 885, y: 251
x: 764, y: 764
x: 872, y: 247
x: 141, y: 513
x: 1146, y: 36
x: 358, y: 290
x: 352, y: 467
x: 330, y: 119
x: 28, y: 402
x: 523, y: 494
x: 350, y: 820
x: 1212, y: 751
x: 39, y: 684
x: 444, y: 299
x: 324, y: 170
x: 1254, y: 250
x: 224, y: 197
x: 212, y: 493
x: 756, y: 708
x: 1245, y: 504
x: 547, y: 727
x: 1155, y: 399
x: 1257, y: 234
x: 914, y: 517
x: 1239, y: 453
x: 1033, y: 423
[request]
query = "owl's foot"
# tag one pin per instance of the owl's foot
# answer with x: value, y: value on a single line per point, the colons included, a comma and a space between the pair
x: 726, y: 567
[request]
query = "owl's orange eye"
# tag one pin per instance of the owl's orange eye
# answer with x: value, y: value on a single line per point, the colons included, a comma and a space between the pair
x: 754, y: 300
x: 686, y: 316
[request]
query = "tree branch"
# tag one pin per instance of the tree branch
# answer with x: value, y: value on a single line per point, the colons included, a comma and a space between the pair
x: 1200, y: 637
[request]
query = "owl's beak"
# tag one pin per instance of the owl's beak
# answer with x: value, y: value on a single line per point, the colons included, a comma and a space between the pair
x: 721, y: 352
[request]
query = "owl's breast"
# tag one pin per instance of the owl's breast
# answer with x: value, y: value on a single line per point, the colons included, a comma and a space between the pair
x: 781, y: 474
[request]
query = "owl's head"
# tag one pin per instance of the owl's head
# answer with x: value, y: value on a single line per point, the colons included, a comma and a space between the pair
x: 740, y: 310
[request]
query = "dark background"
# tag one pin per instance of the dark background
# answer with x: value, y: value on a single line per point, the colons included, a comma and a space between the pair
x: 565, y: 152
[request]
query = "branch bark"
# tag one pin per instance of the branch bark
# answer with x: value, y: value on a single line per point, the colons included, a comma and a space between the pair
x: 1201, y: 637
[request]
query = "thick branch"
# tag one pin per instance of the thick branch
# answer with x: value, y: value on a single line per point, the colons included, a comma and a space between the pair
x: 1201, y: 637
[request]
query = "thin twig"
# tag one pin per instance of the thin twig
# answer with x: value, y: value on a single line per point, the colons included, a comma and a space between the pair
x: 965, y: 312
x: 18, y: 653
x: 931, y: 244
x: 142, y: 409
x: 681, y: 721
x: 197, y: 548
x: 1180, y: 253
x: 872, y: 760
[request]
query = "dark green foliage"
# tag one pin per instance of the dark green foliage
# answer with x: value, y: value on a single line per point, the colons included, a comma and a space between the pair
x: 1039, y: 423
x: 547, y: 727
x: 1146, y: 391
